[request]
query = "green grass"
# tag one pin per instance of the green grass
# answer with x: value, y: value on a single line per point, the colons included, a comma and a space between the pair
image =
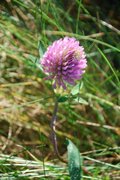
x: 27, y: 100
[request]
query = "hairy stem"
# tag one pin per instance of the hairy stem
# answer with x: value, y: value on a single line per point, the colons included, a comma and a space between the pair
x: 53, y: 133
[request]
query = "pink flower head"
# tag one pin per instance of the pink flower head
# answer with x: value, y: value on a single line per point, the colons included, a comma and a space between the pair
x: 64, y: 61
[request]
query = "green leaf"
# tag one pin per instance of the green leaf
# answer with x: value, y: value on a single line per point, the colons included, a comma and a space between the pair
x: 35, y: 61
x: 74, y: 161
x: 62, y: 98
x: 76, y: 89
x: 41, y: 49
x: 80, y: 101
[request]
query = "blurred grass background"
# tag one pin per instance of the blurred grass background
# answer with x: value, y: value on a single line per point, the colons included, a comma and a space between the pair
x: 26, y: 100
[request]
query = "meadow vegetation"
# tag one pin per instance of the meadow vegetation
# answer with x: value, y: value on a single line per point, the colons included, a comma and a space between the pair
x: 91, y: 120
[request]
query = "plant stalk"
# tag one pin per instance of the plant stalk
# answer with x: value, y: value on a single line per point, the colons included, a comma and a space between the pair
x: 53, y: 133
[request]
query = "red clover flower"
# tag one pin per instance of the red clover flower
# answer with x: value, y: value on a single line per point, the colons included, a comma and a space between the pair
x: 64, y: 62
